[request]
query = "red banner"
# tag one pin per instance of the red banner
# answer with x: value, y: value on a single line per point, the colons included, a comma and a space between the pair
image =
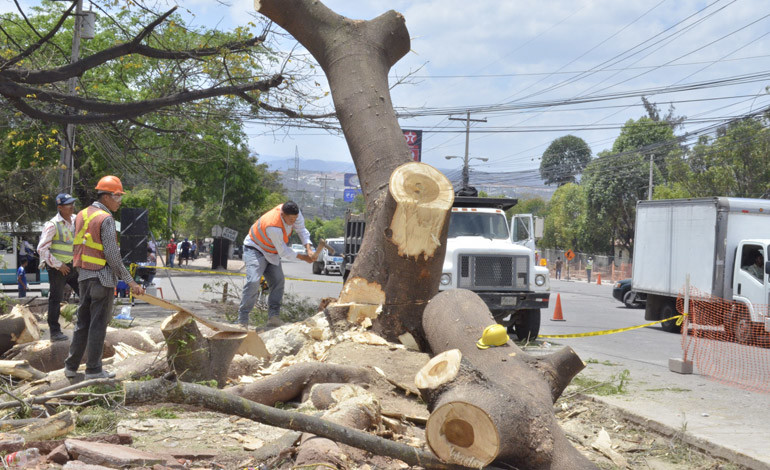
x: 414, y: 142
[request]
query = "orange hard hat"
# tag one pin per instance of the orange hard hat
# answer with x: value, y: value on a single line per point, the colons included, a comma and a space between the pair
x: 110, y: 184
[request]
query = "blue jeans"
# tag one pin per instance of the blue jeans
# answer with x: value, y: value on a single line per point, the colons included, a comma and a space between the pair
x: 170, y: 260
x: 256, y: 267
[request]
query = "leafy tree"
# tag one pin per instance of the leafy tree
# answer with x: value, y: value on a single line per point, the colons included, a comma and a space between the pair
x: 536, y: 206
x: 565, y: 215
x: 564, y: 159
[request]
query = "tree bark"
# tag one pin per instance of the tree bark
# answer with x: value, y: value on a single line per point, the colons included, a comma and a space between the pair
x: 499, y: 382
x: 356, y: 57
x: 17, y: 327
x: 160, y: 390
x: 196, y: 358
x: 21, y: 370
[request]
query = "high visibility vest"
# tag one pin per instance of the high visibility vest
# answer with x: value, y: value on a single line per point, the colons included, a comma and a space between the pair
x: 88, y: 249
x: 61, y: 246
x: 271, y: 218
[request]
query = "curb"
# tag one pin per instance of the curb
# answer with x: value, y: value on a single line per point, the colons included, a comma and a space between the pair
x: 711, y: 448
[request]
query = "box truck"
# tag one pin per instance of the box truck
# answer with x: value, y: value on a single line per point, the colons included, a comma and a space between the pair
x: 721, y: 243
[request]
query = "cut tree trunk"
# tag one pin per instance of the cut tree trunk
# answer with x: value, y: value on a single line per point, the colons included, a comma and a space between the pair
x: 21, y: 370
x: 399, y: 265
x: 57, y: 425
x: 17, y: 327
x: 170, y: 390
x: 479, y: 387
x: 197, y: 358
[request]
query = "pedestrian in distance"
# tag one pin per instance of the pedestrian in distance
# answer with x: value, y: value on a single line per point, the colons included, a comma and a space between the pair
x: 185, y: 256
x: 589, y: 267
x: 558, y: 266
x: 263, y: 247
x: 170, y: 253
x: 193, y: 250
x: 55, y: 250
x: 97, y: 256
x: 21, y: 278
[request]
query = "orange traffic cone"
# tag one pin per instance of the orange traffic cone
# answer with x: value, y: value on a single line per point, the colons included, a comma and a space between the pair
x: 599, y: 279
x: 557, y: 315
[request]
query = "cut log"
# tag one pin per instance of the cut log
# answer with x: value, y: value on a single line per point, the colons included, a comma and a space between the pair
x: 57, y: 425
x: 18, y: 327
x: 421, y: 198
x: 500, y: 391
x: 21, y: 370
x: 289, y: 384
x: 169, y: 390
x: 196, y: 358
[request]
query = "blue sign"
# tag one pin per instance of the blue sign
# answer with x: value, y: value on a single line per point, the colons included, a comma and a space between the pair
x: 349, y: 194
x: 351, y: 180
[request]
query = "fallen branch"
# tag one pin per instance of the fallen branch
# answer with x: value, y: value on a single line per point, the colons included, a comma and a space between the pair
x: 61, y: 393
x: 21, y: 370
x: 171, y: 390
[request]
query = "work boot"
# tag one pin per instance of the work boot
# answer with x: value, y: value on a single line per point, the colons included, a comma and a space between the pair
x: 70, y: 374
x: 273, y: 322
x: 59, y: 336
x: 100, y: 375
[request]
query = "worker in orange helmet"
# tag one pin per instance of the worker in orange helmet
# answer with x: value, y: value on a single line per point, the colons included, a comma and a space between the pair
x: 97, y: 256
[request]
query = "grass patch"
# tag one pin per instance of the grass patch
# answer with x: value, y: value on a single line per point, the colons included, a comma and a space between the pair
x: 616, y: 385
x: 96, y: 419
x: 604, y: 363
x: 163, y: 412
x: 669, y: 389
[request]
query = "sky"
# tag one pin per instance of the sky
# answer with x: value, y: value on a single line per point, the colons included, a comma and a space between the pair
x: 515, y: 63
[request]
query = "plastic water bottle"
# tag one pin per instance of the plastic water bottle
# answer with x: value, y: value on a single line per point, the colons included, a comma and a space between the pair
x: 22, y: 458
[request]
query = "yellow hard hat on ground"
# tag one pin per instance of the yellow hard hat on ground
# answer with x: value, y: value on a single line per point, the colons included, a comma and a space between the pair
x: 493, y: 335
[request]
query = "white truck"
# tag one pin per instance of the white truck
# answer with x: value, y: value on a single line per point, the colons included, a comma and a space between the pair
x: 487, y: 256
x: 330, y: 263
x: 715, y: 241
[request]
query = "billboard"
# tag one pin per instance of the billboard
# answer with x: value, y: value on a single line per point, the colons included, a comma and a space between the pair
x: 351, y: 180
x: 414, y: 142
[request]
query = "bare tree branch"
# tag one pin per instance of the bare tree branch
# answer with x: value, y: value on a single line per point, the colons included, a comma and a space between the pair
x: 43, y: 39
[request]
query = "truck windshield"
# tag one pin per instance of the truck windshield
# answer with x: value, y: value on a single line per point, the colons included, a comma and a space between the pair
x: 478, y: 224
x: 339, y: 247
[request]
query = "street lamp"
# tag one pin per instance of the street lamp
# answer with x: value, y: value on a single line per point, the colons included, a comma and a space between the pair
x: 466, y: 160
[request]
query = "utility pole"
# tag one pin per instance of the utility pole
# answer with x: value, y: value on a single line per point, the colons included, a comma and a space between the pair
x: 466, y: 172
x: 170, y: 230
x: 66, y: 160
x: 296, y: 169
x: 649, y: 192
x: 323, y: 206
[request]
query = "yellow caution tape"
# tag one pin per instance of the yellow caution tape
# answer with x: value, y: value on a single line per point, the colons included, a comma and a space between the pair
x: 679, y: 319
x: 223, y: 273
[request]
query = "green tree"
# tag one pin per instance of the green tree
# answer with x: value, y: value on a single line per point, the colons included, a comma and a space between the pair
x: 564, y: 218
x: 564, y: 160
x: 536, y: 206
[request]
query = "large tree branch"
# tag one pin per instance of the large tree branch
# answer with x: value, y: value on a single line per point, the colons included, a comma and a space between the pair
x: 110, y: 111
x: 134, y: 46
x: 44, y: 39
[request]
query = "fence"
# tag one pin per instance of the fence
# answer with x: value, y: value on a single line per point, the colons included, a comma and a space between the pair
x: 724, y: 344
x: 611, y: 268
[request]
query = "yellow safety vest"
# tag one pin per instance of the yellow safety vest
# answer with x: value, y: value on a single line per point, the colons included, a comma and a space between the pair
x: 61, y: 246
x: 88, y: 249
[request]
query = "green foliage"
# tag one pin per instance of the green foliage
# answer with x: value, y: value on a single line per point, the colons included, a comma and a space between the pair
x: 564, y: 159
x: 320, y: 228
x: 164, y: 412
x: 616, y: 385
x: 536, y: 206
x: 565, y: 218
x: 96, y: 419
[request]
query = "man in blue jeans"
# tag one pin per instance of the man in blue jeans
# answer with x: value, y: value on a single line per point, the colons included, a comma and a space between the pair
x: 263, y: 247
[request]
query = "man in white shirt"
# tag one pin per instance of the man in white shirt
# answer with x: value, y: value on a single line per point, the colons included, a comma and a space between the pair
x: 55, y: 250
x: 263, y: 247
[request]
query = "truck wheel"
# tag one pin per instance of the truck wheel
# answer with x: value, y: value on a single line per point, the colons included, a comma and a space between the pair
x: 741, y: 325
x: 316, y: 268
x: 526, y: 326
x: 667, y: 311
x: 629, y: 299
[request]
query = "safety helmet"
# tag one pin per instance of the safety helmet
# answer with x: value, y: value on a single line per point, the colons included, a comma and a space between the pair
x: 110, y: 184
x: 493, y: 335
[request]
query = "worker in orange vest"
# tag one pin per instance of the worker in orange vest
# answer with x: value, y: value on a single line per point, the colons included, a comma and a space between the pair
x: 97, y: 256
x: 263, y: 247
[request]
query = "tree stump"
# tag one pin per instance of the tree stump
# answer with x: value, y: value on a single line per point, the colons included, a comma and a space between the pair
x: 500, y: 391
x: 197, y: 358
x: 17, y: 327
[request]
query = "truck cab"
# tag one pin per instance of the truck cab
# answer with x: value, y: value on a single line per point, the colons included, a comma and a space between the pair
x: 496, y: 261
x: 751, y: 290
x: 330, y: 263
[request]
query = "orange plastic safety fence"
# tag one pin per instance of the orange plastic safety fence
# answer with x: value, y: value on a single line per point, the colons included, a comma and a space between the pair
x: 727, y: 341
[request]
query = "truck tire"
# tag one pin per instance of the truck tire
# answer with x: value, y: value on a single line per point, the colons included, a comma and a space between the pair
x: 526, y: 325
x: 317, y: 268
x: 667, y: 311
x: 740, y: 325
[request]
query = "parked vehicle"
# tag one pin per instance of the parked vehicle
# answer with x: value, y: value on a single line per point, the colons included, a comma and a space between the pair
x: 714, y: 241
x: 327, y: 262
x: 630, y: 298
x: 297, y: 248
x: 487, y: 256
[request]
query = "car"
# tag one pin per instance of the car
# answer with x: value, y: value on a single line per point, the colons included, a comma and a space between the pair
x: 622, y: 291
x: 297, y: 248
